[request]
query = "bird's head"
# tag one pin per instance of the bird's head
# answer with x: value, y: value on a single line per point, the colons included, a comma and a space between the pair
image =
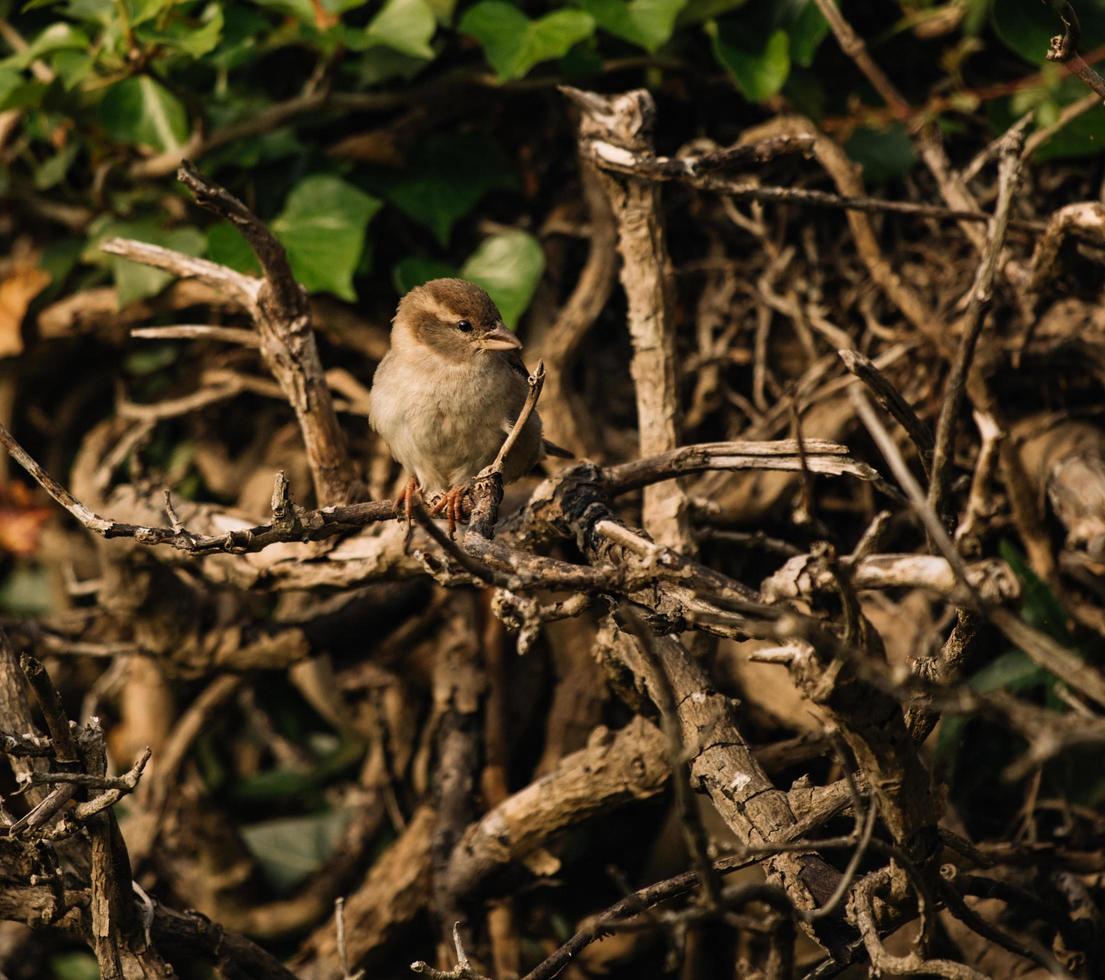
x: 452, y: 317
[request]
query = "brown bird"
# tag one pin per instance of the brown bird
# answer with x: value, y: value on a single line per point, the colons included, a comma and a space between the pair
x: 447, y: 394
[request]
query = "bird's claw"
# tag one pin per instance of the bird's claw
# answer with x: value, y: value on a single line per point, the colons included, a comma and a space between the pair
x: 405, y: 502
x: 450, y: 504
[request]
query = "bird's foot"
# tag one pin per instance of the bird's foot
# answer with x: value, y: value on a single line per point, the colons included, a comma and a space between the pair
x: 404, y: 504
x: 451, y: 505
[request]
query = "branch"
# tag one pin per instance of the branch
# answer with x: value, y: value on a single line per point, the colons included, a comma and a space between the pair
x: 488, y: 485
x: 974, y: 319
x: 626, y: 121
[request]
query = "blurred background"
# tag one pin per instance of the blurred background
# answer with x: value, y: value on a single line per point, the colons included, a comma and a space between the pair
x: 390, y: 143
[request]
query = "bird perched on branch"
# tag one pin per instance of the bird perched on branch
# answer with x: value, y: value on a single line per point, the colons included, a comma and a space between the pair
x: 447, y: 393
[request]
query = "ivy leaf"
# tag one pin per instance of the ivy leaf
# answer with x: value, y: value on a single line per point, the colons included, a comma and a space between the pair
x: 192, y: 37
x: 132, y: 280
x: 509, y: 267
x: 140, y: 11
x: 143, y: 112
x: 759, y: 75
x: 445, y: 178
x: 646, y: 23
x: 883, y: 153
x: 56, y: 37
x: 290, y: 849
x: 16, y: 92
x: 405, y: 26
x: 513, y: 43
x: 807, y: 30
x: 226, y: 246
x: 323, y: 228
x: 415, y: 270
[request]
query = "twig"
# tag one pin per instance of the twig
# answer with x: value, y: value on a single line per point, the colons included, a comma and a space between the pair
x: 195, y: 331
x: 1064, y: 47
x: 981, y: 292
x: 487, y: 487
x: 343, y: 953
x: 462, y: 971
x: 892, y: 402
x: 608, y: 157
x: 1040, y: 647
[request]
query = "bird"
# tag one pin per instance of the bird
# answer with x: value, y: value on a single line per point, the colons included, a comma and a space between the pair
x: 447, y: 393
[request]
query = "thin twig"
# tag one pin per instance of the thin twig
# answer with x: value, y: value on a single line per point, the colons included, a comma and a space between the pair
x: 981, y: 292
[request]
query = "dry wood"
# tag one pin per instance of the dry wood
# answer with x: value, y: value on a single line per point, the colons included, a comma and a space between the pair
x: 626, y: 121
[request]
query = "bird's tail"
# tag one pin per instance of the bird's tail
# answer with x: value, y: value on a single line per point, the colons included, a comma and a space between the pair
x: 552, y: 449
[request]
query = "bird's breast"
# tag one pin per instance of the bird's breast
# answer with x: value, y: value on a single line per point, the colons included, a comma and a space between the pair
x: 443, y: 421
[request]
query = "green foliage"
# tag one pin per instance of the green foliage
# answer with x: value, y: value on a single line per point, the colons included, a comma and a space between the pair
x: 509, y: 267
x: 74, y: 966
x: 646, y: 23
x: 27, y: 591
x: 133, y: 281
x: 514, y: 44
x: 445, y: 178
x: 103, y: 86
x: 142, y: 112
x: 290, y: 849
x: 758, y: 74
x: 323, y: 228
x: 883, y: 153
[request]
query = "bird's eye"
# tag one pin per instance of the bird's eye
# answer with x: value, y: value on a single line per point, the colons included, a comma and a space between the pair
x: 464, y: 326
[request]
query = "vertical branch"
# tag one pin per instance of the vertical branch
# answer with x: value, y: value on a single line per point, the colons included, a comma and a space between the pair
x: 624, y: 122
x: 283, y: 319
x: 459, y: 686
x: 981, y: 293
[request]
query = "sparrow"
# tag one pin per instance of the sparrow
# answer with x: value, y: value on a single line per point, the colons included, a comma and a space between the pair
x: 447, y: 394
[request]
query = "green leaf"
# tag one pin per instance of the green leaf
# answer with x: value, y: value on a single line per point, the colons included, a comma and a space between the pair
x: 883, y: 153
x: 807, y: 30
x: 323, y: 228
x: 758, y: 74
x: 1039, y: 605
x: 226, y: 246
x: 513, y: 43
x: 16, y: 92
x: 27, y: 591
x: 1011, y: 671
x: 290, y: 849
x: 405, y: 26
x: 415, y: 270
x: 700, y: 11
x: 74, y: 966
x: 445, y: 178
x: 56, y: 37
x: 72, y: 67
x: 646, y: 23
x: 132, y: 280
x: 143, y: 112
x: 53, y: 170
x: 509, y: 267
x: 443, y: 9
x: 140, y: 11
x: 188, y: 35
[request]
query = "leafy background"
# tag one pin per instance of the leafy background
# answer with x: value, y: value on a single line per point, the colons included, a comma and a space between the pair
x: 389, y: 143
x: 106, y: 87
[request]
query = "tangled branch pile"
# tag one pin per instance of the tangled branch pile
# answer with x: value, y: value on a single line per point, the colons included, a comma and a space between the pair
x: 796, y: 668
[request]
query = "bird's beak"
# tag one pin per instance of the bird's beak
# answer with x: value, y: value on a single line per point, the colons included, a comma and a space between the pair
x: 500, y: 339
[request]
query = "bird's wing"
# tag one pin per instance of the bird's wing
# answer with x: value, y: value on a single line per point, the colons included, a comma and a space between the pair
x: 514, y: 359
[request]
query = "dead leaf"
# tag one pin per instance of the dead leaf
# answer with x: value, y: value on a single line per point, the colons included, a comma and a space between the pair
x: 20, y: 522
x: 24, y: 281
